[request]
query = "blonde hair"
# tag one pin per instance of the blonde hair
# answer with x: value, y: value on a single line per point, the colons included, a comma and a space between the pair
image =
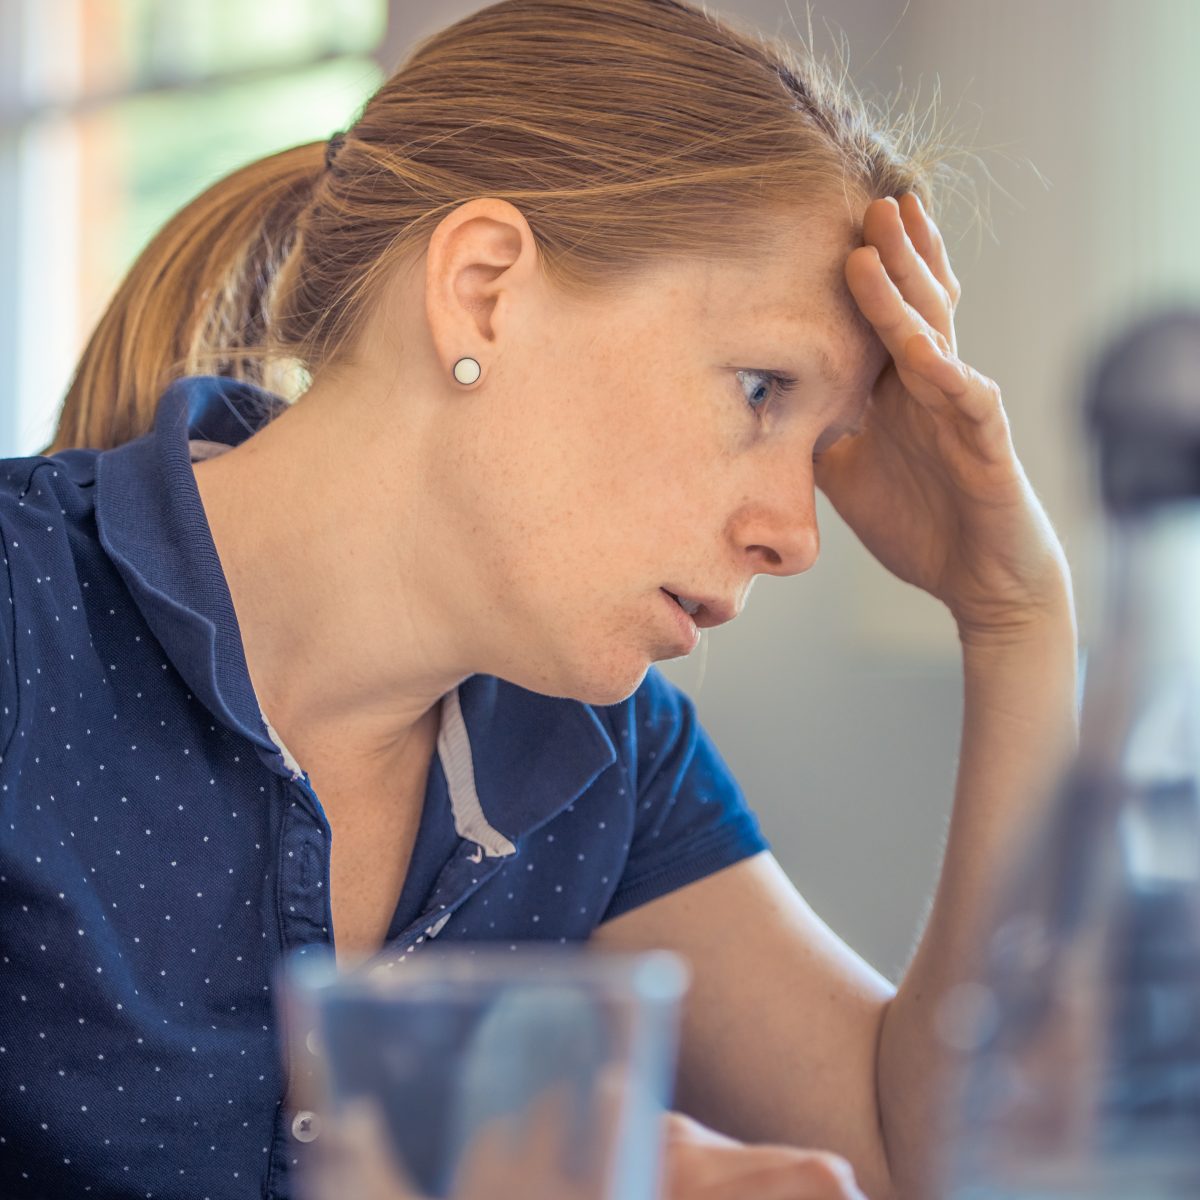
x: 623, y: 130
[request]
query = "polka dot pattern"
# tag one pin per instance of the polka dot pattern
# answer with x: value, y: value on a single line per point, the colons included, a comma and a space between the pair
x: 160, y: 854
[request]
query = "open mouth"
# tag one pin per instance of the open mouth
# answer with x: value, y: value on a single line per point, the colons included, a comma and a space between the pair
x: 689, y: 606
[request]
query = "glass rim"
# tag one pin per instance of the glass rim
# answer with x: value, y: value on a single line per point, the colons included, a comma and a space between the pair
x: 657, y: 975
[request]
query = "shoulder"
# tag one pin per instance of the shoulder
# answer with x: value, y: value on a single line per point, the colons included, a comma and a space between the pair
x: 45, y: 508
x: 47, y: 520
x: 39, y: 497
x: 690, y: 815
x: 39, y: 477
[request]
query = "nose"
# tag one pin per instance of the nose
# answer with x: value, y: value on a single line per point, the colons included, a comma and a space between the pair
x: 777, y: 534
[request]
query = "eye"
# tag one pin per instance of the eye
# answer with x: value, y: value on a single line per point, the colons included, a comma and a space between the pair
x: 776, y: 384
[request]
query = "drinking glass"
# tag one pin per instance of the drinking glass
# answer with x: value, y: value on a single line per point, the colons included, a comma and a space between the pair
x: 465, y: 1073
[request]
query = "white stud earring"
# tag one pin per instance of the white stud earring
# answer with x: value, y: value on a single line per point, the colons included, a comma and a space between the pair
x: 467, y: 370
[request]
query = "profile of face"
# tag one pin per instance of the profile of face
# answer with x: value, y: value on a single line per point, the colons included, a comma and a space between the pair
x: 611, y: 450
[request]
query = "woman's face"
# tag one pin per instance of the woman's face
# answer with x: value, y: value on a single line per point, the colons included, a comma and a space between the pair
x: 611, y: 451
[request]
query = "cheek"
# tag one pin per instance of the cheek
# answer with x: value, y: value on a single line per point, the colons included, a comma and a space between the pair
x: 593, y: 495
x: 644, y: 441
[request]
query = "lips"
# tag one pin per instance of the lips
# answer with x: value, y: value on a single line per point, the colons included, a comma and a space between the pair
x: 706, y: 611
x: 688, y: 606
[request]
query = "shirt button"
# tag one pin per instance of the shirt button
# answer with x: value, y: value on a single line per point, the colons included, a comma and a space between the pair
x: 306, y: 1126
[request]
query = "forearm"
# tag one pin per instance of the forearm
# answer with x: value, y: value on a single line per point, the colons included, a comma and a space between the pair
x: 1019, y: 731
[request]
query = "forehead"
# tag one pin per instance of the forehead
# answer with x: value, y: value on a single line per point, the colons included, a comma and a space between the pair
x: 840, y: 342
x: 795, y: 292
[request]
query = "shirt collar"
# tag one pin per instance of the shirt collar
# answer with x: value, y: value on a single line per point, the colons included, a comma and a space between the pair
x: 512, y: 757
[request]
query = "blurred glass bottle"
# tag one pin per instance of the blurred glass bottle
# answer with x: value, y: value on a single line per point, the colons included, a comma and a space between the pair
x: 1081, y: 1040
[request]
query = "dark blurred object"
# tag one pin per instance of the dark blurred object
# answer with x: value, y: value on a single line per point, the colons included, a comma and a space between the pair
x: 1143, y: 405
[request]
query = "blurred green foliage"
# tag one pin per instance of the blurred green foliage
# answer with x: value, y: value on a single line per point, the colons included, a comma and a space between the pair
x: 170, y: 145
x: 203, y: 38
x: 177, y: 144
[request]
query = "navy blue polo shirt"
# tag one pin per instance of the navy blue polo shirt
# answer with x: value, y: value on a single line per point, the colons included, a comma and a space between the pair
x: 161, y: 851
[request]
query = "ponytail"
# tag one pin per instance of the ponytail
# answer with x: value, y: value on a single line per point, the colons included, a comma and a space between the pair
x: 196, y: 301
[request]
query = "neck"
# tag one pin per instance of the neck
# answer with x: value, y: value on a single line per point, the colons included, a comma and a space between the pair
x: 347, y: 649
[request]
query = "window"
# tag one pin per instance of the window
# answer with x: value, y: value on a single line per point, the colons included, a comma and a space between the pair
x: 114, y: 114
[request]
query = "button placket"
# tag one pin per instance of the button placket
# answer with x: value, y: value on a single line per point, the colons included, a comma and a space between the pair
x: 459, y: 881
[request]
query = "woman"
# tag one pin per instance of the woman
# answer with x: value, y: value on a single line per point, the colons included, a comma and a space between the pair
x: 591, y: 297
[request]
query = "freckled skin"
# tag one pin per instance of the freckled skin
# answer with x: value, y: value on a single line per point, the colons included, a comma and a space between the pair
x: 522, y: 526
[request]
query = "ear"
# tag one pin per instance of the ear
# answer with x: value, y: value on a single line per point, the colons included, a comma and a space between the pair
x: 481, y: 263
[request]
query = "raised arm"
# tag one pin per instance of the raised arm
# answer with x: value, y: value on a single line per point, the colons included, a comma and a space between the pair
x: 789, y: 1036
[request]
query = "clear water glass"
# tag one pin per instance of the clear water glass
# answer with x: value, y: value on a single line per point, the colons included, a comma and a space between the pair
x: 469, y: 1073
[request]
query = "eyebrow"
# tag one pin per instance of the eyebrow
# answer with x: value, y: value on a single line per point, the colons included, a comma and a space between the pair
x: 825, y: 367
x: 814, y: 335
x: 829, y: 374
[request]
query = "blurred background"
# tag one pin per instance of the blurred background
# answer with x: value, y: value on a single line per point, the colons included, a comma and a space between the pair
x: 836, y: 698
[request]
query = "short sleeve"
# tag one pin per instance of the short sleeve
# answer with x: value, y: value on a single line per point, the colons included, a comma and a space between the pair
x: 690, y: 818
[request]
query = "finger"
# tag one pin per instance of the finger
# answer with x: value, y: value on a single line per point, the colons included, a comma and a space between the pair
x: 971, y: 394
x: 894, y: 319
x: 731, y: 1173
x: 884, y: 227
x: 929, y: 369
x: 927, y: 238
x: 680, y: 1129
x: 796, y: 1181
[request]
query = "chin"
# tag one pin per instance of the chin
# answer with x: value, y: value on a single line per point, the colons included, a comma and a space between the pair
x: 613, y: 671
x: 606, y: 692
x: 598, y: 680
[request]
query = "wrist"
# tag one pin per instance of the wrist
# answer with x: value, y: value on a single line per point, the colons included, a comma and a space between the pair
x: 1041, y: 608
x: 1034, y: 633
x: 1029, y: 672
x: 1047, y: 622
